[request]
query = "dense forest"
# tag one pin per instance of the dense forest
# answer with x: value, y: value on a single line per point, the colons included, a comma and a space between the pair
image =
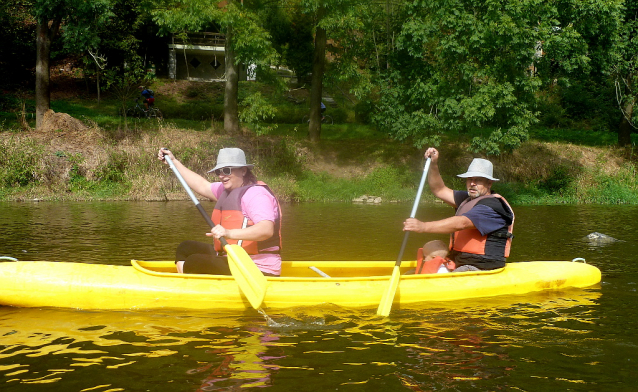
x: 417, y: 68
x: 487, y: 75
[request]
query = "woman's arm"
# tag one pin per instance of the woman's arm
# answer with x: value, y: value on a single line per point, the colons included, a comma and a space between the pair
x: 197, y: 183
x: 260, y: 231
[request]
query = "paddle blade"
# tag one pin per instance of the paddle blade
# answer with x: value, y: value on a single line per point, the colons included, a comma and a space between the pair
x: 388, y: 297
x: 250, y: 279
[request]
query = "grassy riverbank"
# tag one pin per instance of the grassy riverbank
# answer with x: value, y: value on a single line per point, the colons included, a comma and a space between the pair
x: 104, y: 159
x: 93, y: 164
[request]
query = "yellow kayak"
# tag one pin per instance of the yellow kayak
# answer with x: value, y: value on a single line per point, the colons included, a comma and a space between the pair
x: 155, y: 284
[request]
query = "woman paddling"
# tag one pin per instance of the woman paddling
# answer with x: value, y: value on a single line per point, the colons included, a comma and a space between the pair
x: 246, y: 213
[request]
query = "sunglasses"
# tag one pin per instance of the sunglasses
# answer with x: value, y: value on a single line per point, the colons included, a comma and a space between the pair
x: 224, y: 170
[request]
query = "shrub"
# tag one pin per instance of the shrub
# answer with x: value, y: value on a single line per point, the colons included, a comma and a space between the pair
x: 363, y: 111
x: 558, y: 180
x: 114, y: 170
x: 19, y: 163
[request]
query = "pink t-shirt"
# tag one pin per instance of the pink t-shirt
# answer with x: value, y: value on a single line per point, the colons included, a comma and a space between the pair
x: 258, y: 204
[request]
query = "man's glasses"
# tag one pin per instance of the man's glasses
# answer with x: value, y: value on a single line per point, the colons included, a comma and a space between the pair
x: 224, y: 170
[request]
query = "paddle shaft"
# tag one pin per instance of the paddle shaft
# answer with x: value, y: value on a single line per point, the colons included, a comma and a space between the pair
x: 414, y: 208
x: 385, y: 305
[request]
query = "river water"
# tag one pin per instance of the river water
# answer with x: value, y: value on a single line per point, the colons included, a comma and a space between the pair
x: 571, y: 340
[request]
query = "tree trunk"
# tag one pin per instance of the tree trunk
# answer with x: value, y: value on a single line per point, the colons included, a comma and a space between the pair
x: 44, y: 36
x: 625, y: 128
x: 231, y: 111
x: 314, y: 130
x: 42, y: 73
x: 97, y: 74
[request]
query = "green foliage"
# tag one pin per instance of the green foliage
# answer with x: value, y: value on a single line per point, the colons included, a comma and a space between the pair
x: 386, y: 182
x: 280, y: 158
x: 463, y: 64
x: 580, y: 136
x: 124, y: 82
x: 17, y: 52
x: 618, y: 188
x: 77, y: 173
x: 255, y: 109
x: 194, y: 111
x: 558, y: 181
x: 251, y: 42
x: 363, y: 111
x: 81, y: 18
x: 498, y: 141
x: 317, y: 187
x: 9, y: 102
x: 386, y: 179
x: 292, y: 38
x: 118, y: 55
x: 114, y: 170
x: 19, y: 163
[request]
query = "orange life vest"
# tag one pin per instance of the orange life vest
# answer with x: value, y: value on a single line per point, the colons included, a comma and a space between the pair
x: 496, y: 244
x: 432, y: 265
x: 228, y: 213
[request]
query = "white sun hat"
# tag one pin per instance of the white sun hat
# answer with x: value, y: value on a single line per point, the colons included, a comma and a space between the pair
x: 480, y: 168
x: 231, y: 157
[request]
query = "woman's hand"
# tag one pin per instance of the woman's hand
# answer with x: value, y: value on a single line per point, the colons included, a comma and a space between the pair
x: 260, y: 231
x: 219, y: 231
x: 165, y: 151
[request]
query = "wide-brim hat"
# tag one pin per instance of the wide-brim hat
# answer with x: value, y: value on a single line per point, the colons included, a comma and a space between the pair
x: 231, y: 157
x: 480, y: 168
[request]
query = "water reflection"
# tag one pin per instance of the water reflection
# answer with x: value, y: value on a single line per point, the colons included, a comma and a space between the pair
x: 116, y: 232
x: 438, y: 345
x: 578, y: 340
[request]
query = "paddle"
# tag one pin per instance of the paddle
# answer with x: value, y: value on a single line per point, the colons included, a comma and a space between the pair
x: 250, y: 279
x: 388, y: 297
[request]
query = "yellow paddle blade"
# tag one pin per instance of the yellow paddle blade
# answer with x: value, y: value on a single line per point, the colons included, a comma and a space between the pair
x: 388, y: 297
x: 250, y: 279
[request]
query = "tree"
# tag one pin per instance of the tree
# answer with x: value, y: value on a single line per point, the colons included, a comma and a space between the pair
x: 292, y: 38
x: 624, y: 71
x: 17, y: 53
x: 461, y: 65
x: 76, y: 20
x: 247, y: 42
x: 319, y: 59
x: 118, y: 57
x: 330, y: 16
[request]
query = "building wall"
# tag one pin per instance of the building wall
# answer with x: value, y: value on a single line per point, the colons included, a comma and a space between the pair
x: 199, y: 65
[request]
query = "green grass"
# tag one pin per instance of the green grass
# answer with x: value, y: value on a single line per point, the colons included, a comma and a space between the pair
x: 330, y: 132
x: 280, y: 157
x: 576, y: 136
x: 320, y: 187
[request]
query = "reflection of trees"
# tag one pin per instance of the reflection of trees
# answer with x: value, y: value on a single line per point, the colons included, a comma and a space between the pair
x: 462, y: 342
x: 459, y: 345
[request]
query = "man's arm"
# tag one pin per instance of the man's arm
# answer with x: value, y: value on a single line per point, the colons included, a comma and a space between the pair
x: 443, y: 226
x: 435, y: 181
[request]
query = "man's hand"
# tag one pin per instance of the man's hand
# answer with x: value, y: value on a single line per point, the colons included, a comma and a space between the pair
x: 412, y: 224
x: 432, y: 153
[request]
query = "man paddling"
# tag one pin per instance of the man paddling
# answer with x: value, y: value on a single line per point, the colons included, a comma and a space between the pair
x: 481, y: 230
